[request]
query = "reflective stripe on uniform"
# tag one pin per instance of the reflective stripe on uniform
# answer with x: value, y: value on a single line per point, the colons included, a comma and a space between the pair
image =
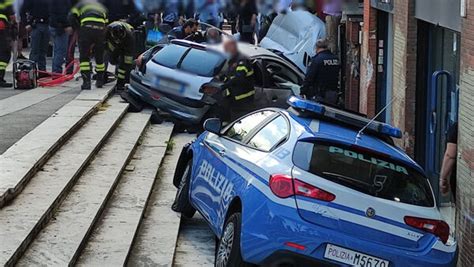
x: 92, y: 19
x: 100, y: 67
x: 3, y: 65
x: 2, y: 16
x: 85, y: 66
x: 242, y: 96
x: 7, y: 3
x: 121, y: 74
x: 248, y: 72
x: 128, y: 60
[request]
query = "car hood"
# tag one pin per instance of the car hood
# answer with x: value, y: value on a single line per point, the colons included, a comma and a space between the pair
x: 294, y: 35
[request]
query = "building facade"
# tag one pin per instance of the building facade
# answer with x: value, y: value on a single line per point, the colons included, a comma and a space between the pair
x: 417, y: 61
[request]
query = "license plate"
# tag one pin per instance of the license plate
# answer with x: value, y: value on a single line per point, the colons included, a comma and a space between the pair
x: 353, y: 258
x: 168, y: 85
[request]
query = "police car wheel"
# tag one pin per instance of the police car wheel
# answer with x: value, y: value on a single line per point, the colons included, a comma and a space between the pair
x: 181, y: 201
x: 228, y: 248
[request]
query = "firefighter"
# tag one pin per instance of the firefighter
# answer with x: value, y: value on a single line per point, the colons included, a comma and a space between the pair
x: 7, y: 24
x: 238, y: 85
x: 121, y: 48
x: 90, y: 17
x: 322, y: 77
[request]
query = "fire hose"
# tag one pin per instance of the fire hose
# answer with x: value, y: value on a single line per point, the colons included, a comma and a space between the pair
x: 55, y: 79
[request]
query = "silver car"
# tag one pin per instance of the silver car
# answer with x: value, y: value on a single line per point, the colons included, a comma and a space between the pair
x: 177, y: 78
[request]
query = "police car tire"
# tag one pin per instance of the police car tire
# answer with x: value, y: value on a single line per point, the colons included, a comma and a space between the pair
x: 181, y: 201
x: 235, y: 256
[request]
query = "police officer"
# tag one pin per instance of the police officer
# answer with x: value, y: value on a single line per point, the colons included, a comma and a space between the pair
x: 7, y: 24
x: 238, y: 82
x: 121, y: 48
x: 186, y: 31
x: 91, y: 18
x: 322, y: 77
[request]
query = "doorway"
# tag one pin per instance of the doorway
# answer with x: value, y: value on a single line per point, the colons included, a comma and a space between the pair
x: 437, y: 97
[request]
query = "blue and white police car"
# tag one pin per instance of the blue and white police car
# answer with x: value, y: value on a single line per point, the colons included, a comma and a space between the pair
x: 311, y: 186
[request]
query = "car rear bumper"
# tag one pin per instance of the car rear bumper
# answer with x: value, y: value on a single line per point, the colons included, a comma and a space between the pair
x: 184, y: 113
x: 267, y: 231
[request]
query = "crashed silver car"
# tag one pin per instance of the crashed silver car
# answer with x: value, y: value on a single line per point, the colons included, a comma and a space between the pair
x: 178, y: 78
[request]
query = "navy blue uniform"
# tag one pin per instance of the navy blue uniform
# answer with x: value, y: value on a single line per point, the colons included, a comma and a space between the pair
x: 322, y: 78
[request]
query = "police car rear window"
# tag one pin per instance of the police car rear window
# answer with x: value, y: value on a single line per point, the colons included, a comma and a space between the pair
x: 364, y: 171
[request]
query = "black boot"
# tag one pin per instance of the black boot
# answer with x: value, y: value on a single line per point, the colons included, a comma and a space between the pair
x: 3, y: 83
x: 99, y: 83
x: 86, y: 80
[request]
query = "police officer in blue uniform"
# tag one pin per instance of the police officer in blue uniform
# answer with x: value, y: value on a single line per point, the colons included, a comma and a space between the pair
x: 322, y: 77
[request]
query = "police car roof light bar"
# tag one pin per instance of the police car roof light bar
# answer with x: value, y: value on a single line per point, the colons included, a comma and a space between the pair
x: 357, y: 121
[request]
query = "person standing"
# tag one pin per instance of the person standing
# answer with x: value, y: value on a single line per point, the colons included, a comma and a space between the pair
x: 322, y: 77
x: 60, y: 30
x: 7, y: 22
x: 189, y: 28
x: 38, y: 24
x: 238, y: 83
x: 247, y: 20
x: 208, y: 11
x: 121, y: 48
x: 91, y: 18
x: 447, y: 179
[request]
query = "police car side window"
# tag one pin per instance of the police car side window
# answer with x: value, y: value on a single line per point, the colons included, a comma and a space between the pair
x: 242, y: 128
x: 271, y: 135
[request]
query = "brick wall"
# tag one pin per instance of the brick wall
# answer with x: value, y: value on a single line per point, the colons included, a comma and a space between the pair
x: 352, y: 73
x: 368, y: 61
x: 404, y: 72
x: 465, y: 179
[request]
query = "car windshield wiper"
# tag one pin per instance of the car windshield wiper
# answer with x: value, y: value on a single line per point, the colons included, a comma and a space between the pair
x: 349, y: 180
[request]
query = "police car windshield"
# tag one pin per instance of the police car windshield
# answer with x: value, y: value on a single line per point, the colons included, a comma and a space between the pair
x: 365, y: 171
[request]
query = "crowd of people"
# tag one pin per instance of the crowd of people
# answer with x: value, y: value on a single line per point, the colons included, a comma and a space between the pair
x: 106, y: 30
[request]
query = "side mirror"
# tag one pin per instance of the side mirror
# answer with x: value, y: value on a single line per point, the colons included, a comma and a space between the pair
x: 213, y: 125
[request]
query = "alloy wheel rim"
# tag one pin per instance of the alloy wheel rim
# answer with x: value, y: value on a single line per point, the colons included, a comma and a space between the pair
x: 225, y: 246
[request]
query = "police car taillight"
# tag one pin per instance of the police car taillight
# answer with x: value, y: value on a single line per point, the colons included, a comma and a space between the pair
x: 284, y: 186
x: 436, y: 227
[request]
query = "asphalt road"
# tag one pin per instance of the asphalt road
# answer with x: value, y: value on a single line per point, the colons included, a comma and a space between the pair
x: 15, y: 125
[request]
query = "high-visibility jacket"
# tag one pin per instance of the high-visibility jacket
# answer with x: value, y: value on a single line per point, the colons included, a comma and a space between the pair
x: 6, y: 10
x: 239, y: 81
x: 88, y: 13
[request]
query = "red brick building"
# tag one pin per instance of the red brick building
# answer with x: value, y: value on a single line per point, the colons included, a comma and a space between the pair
x: 417, y: 58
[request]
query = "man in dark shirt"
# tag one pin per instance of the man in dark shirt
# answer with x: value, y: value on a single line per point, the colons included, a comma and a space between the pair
x: 322, y: 77
x: 247, y: 20
x: 184, y: 32
x: 448, y: 169
x: 38, y: 25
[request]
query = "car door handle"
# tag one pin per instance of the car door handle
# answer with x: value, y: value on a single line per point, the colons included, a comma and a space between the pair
x: 222, y: 152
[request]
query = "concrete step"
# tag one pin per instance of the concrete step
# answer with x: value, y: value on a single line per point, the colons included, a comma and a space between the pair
x: 22, y: 160
x: 196, y: 243
x: 156, y: 239
x: 112, y: 239
x: 24, y: 217
x: 62, y: 240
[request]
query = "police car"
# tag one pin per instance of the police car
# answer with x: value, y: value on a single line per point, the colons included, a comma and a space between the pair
x: 312, y: 185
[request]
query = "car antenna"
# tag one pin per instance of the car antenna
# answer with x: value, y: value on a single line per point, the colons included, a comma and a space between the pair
x: 361, y: 132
